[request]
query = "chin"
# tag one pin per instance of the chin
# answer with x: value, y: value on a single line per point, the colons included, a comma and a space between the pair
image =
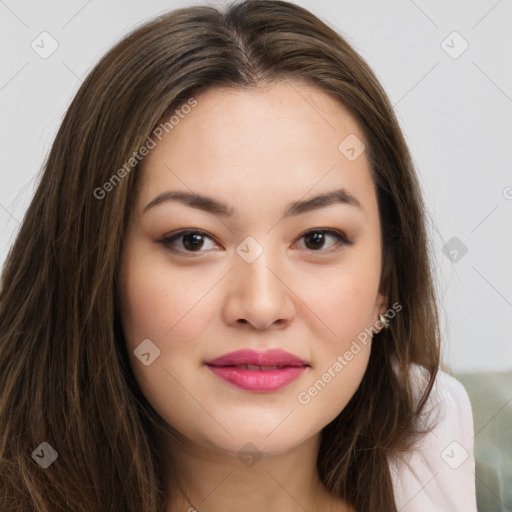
x: 247, y: 443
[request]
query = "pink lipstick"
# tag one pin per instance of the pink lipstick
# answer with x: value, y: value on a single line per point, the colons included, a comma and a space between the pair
x: 258, y: 371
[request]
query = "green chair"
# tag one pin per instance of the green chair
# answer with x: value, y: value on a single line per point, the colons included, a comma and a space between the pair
x: 491, y: 400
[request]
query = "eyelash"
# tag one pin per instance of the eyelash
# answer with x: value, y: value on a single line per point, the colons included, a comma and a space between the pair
x: 167, y: 241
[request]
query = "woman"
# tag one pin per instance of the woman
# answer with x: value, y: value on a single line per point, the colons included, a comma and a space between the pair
x: 221, y: 294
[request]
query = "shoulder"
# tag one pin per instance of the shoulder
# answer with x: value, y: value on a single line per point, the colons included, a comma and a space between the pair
x: 438, y: 474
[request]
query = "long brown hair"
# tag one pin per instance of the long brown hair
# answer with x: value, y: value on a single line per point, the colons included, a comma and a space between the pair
x: 65, y: 379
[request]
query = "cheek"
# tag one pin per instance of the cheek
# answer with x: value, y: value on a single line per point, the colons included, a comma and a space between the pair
x: 157, y: 303
x: 165, y: 307
x: 341, y: 302
x: 344, y: 306
x: 334, y: 381
x: 341, y: 353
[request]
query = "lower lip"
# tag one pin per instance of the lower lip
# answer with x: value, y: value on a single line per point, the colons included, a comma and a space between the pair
x: 258, y: 380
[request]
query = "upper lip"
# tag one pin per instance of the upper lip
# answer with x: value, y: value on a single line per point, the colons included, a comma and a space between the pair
x: 272, y: 357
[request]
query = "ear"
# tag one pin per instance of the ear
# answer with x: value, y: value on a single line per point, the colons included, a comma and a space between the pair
x: 384, y: 292
x: 381, y: 306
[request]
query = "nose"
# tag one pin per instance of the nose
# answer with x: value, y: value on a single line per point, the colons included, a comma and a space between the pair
x: 258, y: 295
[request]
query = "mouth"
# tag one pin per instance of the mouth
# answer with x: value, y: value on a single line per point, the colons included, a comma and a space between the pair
x: 256, y: 367
x: 258, y: 371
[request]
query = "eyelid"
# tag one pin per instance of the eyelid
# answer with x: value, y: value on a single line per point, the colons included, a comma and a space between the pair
x: 338, y: 234
x: 342, y: 240
x: 166, y: 241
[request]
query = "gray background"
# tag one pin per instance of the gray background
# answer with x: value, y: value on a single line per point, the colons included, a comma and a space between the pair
x: 454, y: 108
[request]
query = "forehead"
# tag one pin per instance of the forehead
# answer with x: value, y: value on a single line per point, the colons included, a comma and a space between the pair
x: 260, y: 143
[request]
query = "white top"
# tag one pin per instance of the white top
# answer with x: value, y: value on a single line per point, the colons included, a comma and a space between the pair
x: 439, y: 476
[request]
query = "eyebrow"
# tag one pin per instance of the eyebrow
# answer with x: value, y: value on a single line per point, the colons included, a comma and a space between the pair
x: 213, y: 206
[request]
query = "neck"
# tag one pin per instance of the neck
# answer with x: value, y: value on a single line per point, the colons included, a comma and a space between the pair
x: 207, y: 480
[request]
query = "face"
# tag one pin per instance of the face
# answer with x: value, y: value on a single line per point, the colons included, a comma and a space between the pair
x: 256, y: 274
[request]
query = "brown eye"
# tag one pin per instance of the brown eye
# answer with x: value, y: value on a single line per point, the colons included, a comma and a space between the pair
x: 191, y: 241
x: 315, y: 239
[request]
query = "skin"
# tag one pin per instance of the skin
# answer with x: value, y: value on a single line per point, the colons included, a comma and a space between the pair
x: 255, y: 150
